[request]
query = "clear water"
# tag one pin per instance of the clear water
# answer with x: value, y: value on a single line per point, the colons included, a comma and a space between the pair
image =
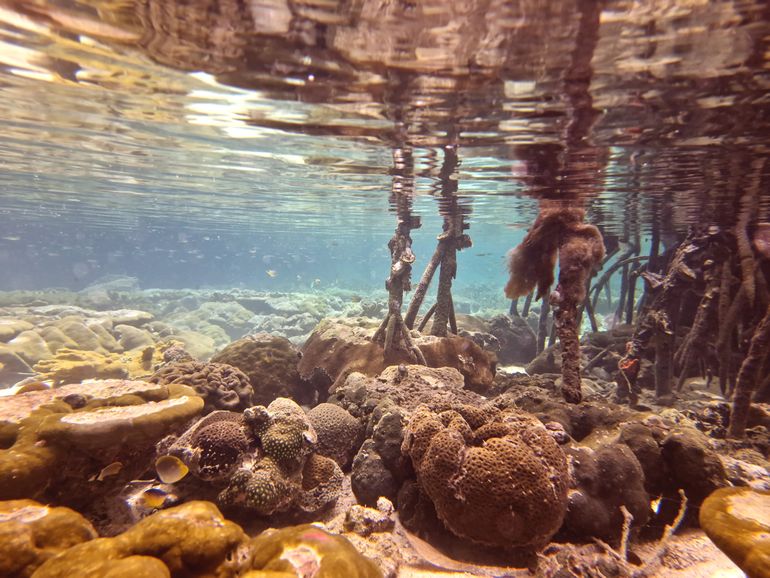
x: 251, y: 144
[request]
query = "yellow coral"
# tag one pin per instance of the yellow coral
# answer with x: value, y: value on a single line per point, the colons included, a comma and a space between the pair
x: 31, y: 533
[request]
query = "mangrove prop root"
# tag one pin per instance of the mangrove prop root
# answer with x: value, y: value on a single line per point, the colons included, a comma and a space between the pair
x: 701, y: 326
x: 444, y: 292
x: 428, y: 315
x: 422, y: 286
x: 565, y: 318
x: 655, y: 327
x: 747, y: 376
x: 542, y: 324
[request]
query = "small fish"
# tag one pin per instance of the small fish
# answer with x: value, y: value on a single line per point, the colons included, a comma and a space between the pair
x: 11, y: 238
x: 170, y: 469
x: 272, y: 273
x: 315, y: 284
x: 152, y: 498
x: 110, y: 470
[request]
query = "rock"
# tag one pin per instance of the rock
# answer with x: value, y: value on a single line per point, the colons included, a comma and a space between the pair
x: 639, y: 438
x: 693, y: 465
x: 365, y: 521
x: 518, y: 343
x: 336, y: 349
x: 602, y: 482
x: 370, y: 477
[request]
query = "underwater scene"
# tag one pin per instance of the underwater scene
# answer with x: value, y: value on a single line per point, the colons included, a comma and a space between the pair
x: 384, y: 288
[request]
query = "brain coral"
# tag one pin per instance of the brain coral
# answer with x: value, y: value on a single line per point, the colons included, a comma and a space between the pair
x: 503, y: 483
x: 339, y: 433
x: 270, y: 362
x: 265, y: 488
x: 213, y: 446
x: 220, y: 385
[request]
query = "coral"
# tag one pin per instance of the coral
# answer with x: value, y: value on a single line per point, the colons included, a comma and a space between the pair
x: 270, y: 362
x: 603, y: 481
x: 16, y: 408
x: 192, y: 540
x: 220, y: 385
x: 321, y: 483
x: 339, y: 433
x: 284, y: 431
x: 736, y: 520
x: 289, y: 474
x: 307, y: 551
x: 213, y: 447
x: 72, y: 366
x: 31, y: 533
x: 503, y: 483
x: 264, y: 489
x: 119, y: 425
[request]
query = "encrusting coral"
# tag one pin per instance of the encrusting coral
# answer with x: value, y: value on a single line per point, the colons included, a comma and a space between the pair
x: 192, y: 540
x: 306, y: 550
x: 497, y: 478
x: 46, y: 431
x: 31, y: 533
x: 220, y: 385
x: 738, y: 521
x: 580, y: 248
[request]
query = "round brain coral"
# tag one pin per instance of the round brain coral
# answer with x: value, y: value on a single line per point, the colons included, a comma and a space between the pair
x: 221, y: 446
x: 503, y: 484
x: 221, y: 386
x: 339, y: 433
x: 270, y: 362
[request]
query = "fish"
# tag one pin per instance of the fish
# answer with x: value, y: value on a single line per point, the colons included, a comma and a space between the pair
x: 272, y: 273
x: 110, y: 470
x: 152, y: 498
x: 170, y: 469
